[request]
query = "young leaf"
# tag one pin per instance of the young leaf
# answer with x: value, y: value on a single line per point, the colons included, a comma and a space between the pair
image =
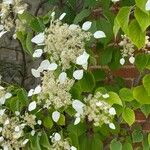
x: 137, y: 136
x: 129, y: 116
x: 115, y: 145
x: 44, y: 141
x: 146, y: 83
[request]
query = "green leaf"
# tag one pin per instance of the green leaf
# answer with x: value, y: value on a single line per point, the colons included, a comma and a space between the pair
x: 114, y: 99
x: 47, y: 122
x: 127, y: 146
x: 146, y: 83
x: 116, y: 27
x: 123, y: 19
x: 106, y: 56
x: 140, y: 94
x: 44, y: 141
x: 99, y: 74
x: 61, y: 120
x: 35, y: 142
x: 141, y: 61
x: 141, y: 5
x: 149, y: 139
x: 136, y: 35
x: 126, y: 94
x: 83, y: 14
x: 146, y: 109
x: 142, y: 18
x: 129, y: 116
x: 115, y: 145
x: 29, y: 45
x: 137, y: 136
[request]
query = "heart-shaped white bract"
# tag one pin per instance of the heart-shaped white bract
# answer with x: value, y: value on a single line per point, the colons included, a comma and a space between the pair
x: 73, y: 27
x: 45, y: 64
x: 38, y: 39
x: 17, y: 129
x: 21, y: 11
x: 112, y: 111
x: 2, y: 33
x: 2, y: 112
x: 78, y: 106
x: 132, y: 60
x: 83, y: 60
x: 77, y: 121
x: 99, y: 34
x: 52, y: 66
x: 112, y: 126
x: 2, y: 100
x: 87, y: 25
x: 147, y: 6
x: 8, y: 2
x: 105, y: 95
x: 55, y: 116
x: 57, y: 137
x: 73, y: 148
x: 62, y: 77
x: 8, y: 95
x: 115, y: 1
x: 37, y: 90
x: 31, y: 92
x: 122, y: 61
x: 25, y: 141
x: 32, y: 106
x: 38, y: 53
x: 78, y: 74
x: 53, y: 14
x: 62, y: 16
x: 35, y: 73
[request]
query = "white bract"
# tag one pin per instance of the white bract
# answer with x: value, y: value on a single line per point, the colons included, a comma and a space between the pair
x: 1, y: 27
x: 83, y: 60
x: 57, y: 137
x: 112, y: 126
x: 112, y: 111
x: 62, y: 16
x: 147, y: 6
x: 77, y: 120
x: 78, y: 106
x: 25, y: 141
x: 2, y: 33
x: 8, y: 2
x: 73, y: 27
x: 2, y: 112
x: 52, y: 66
x: 122, y: 61
x: 62, y: 77
x: 39, y: 39
x: 78, y: 74
x: 31, y: 92
x: 55, y: 116
x: 132, y: 60
x: 87, y: 25
x: 115, y: 1
x: 73, y: 148
x: 38, y: 89
x: 21, y: 11
x: 32, y: 106
x: 38, y: 53
x: 99, y: 34
x: 105, y: 95
x: 8, y: 95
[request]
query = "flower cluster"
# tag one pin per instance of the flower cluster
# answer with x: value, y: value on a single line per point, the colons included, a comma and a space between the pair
x: 60, y: 144
x: 127, y: 50
x: 65, y: 43
x: 8, y: 15
x: 95, y: 109
x: 55, y: 91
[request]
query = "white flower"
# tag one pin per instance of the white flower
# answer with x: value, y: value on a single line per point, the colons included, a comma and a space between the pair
x: 112, y: 126
x: 147, y: 6
x: 6, y: 122
x: 31, y: 92
x: 115, y: 1
x: 83, y: 60
x: 55, y: 116
x: 105, y: 95
x: 38, y: 89
x: 35, y: 73
x: 112, y: 111
x: 46, y: 65
x: 73, y: 148
x: 132, y: 60
x: 99, y: 34
x: 77, y: 120
x: 8, y: 95
x: 2, y: 33
x: 17, y: 129
x: 39, y: 122
x: 62, y: 16
x: 57, y: 137
x: 73, y: 27
x: 62, y: 77
x: 52, y: 66
x: 38, y: 53
x: 38, y: 39
x: 86, y: 26
x: 122, y: 61
x: 78, y: 106
x: 78, y: 74
x: 32, y: 106
x: 2, y: 112
x: 25, y: 141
